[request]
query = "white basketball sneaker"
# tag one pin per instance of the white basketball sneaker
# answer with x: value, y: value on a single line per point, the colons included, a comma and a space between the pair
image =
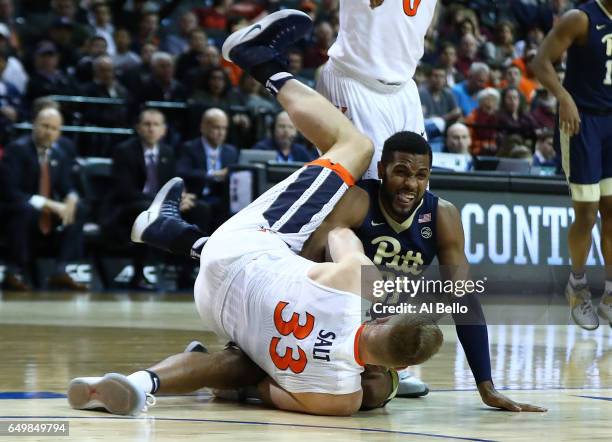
x: 113, y: 392
x: 410, y: 386
x: 605, y: 308
x: 581, y: 306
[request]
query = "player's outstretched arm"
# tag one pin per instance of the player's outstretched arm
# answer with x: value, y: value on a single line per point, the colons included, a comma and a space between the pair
x: 473, y: 337
x: 572, y: 28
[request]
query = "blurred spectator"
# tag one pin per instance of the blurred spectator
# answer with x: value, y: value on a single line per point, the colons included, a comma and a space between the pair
x: 203, y: 163
x: 521, y: 152
x: 316, y: 54
x: 104, y: 85
x: 524, y: 63
x: 544, y: 109
x: 214, y: 17
x: 64, y: 13
x: 437, y: 99
x: 63, y: 143
x: 260, y: 108
x: 448, y: 61
x: 41, y: 196
x: 468, y: 54
x: 133, y: 79
x: 61, y: 33
x: 132, y: 10
x: 124, y: 59
x: 215, y: 89
x: 208, y: 59
x: 103, y: 24
x: 190, y: 59
x: 502, y: 50
x: 483, y: 123
x: 47, y: 79
x: 283, y: 141
x: 7, y: 12
x: 13, y: 72
x: 513, y: 77
x: 96, y: 47
x: 177, y: 43
x: 535, y: 36
x: 251, y: 96
x: 10, y: 101
x: 466, y: 91
x: 537, y: 13
x: 148, y: 27
x: 469, y: 26
x: 295, y: 59
x: 545, y: 155
x: 162, y: 85
x: 513, y: 118
x: 458, y: 139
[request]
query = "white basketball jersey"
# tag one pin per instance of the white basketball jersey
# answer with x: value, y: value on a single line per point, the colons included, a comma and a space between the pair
x: 385, y: 43
x: 302, y: 334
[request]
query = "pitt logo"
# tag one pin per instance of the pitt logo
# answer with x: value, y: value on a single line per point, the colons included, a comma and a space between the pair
x: 389, y: 247
x: 323, y: 345
x: 607, y: 40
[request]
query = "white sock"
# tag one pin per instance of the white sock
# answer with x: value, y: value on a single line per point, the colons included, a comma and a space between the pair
x: 143, y: 379
x: 581, y: 280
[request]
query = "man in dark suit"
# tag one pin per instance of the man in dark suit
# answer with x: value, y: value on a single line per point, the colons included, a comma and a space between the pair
x: 141, y: 165
x: 104, y: 85
x: 40, y: 196
x: 283, y: 142
x: 203, y: 163
x: 47, y: 78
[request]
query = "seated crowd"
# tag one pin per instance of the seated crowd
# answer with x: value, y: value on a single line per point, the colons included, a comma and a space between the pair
x: 87, y: 74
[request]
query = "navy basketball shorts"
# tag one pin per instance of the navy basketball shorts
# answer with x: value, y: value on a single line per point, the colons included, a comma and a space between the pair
x: 587, y: 158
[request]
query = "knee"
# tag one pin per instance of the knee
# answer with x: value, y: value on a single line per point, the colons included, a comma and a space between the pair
x: 364, y: 149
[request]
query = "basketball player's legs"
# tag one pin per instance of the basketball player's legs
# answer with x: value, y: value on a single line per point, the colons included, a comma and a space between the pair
x: 605, y: 211
x: 581, y: 156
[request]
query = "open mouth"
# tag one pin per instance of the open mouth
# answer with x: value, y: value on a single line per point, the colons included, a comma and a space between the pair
x: 406, y: 198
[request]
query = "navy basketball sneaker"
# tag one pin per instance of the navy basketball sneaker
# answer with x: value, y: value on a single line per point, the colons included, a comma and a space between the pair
x: 267, y: 39
x: 161, y: 224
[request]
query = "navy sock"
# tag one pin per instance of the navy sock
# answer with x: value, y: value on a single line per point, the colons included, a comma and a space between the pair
x: 272, y: 74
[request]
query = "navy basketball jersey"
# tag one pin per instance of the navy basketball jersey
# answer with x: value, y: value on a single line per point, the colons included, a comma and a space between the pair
x: 404, y: 247
x: 588, y: 78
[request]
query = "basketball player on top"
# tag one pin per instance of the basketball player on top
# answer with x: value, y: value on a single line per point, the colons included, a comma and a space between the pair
x: 371, y: 64
x: 406, y: 165
x: 369, y: 77
x: 585, y: 140
x: 253, y: 287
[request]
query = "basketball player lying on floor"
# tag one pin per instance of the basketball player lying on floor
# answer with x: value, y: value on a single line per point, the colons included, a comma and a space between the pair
x: 247, y: 263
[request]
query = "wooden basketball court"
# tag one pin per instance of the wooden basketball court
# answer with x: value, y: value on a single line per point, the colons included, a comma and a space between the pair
x: 47, y: 339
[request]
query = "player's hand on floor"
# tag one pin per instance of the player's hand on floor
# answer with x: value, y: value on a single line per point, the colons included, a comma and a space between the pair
x: 494, y: 398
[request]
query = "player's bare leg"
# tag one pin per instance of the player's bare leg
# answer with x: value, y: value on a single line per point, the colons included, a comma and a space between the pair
x: 579, y: 242
x: 181, y: 373
x: 605, y: 209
